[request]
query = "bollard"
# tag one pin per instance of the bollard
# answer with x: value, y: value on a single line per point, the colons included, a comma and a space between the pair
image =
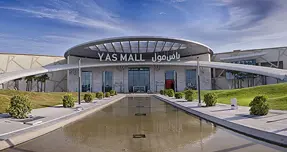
x: 234, y: 104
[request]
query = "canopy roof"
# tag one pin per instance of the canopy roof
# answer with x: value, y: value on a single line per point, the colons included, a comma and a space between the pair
x: 147, y: 45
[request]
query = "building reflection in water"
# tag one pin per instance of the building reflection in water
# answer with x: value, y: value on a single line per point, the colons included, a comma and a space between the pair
x: 166, y: 128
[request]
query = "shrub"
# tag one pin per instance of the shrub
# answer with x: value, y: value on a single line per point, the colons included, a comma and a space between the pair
x: 259, y: 106
x: 116, y: 92
x: 20, y: 107
x: 178, y: 95
x: 107, y: 94
x: 170, y: 92
x: 165, y: 92
x: 100, y: 95
x: 113, y: 92
x: 189, y: 95
x: 88, y: 97
x: 161, y: 92
x: 68, y: 101
x: 210, y: 99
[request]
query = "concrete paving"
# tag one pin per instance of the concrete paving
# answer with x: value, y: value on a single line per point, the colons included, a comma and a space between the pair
x: 272, y: 127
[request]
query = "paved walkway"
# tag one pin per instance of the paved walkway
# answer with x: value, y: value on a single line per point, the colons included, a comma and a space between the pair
x: 272, y: 127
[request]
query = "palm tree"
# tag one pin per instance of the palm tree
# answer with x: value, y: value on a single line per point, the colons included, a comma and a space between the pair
x: 42, y: 79
x: 45, y: 78
x: 29, y: 82
x: 16, y: 83
x: 37, y: 79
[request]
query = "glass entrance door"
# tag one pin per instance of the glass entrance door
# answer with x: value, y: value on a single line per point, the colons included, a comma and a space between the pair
x: 86, y: 81
x: 139, y: 79
x: 107, y: 81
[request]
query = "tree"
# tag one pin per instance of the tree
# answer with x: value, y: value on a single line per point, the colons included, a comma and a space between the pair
x: 16, y: 83
x: 37, y: 79
x: 29, y: 82
x: 43, y: 80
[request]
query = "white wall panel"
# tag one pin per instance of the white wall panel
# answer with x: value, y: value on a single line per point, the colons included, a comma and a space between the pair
x: 16, y: 62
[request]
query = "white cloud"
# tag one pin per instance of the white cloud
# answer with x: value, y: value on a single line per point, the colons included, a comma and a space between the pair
x: 267, y: 31
x: 177, y: 1
x: 245, y: 27
x: 67, y: 16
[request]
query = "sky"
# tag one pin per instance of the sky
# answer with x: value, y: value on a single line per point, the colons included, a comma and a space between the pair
x: 50, y: 27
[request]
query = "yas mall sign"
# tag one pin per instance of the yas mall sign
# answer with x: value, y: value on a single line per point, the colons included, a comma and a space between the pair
x: 137, y: 57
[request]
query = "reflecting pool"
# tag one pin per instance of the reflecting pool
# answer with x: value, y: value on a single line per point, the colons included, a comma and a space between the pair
x: 143, y: 124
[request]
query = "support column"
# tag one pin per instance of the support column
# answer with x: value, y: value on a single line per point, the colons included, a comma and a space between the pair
x: 68, y: 75
x: 198, y: 83
x: 154, y: 82
x: 79, y: 82
x: 123, y: 85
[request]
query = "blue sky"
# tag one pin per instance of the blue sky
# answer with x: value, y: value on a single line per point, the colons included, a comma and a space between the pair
x: 52, y: 26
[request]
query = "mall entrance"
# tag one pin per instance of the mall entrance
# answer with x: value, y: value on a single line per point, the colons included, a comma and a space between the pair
x: 171, y: 80
x: 139, y: 79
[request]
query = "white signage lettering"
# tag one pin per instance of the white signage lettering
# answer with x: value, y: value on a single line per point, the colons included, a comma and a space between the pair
x: 123, y: 57
x: 159, y: 58
x: 137, y: 57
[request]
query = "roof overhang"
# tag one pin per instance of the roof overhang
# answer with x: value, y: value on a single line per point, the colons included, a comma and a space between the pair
x: 243, y: 57
x: 146, y: 45
x: 267, y: 71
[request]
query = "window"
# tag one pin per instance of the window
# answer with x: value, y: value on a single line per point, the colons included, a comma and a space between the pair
x: 190, y: 79
x: 139, y: 79
x: 86, y: 81
x: 107, y: 81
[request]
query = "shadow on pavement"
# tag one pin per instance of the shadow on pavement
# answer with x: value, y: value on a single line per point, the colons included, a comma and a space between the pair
x: 236, y: 148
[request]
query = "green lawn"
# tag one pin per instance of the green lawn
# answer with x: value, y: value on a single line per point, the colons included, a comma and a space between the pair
x: 277, y: 95
x: 38, y: 99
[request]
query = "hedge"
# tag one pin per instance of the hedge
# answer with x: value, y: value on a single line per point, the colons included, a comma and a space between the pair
x: 107, y: 94
x: 100, y: 95
x: 259, y: 106
x: 88, y: 97
x: 20, y: 107
x: 178, y: 95
x: 210, y: 99
x: 189, y: 95
x: 68, y: 101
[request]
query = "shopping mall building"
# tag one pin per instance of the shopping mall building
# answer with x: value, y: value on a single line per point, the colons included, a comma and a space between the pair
x: 145, y: 64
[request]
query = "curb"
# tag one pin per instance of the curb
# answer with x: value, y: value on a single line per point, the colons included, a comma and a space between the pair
x: 252, y: 132
x: 32, y: 133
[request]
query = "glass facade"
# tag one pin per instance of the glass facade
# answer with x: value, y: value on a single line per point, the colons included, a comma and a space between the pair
x: 107, y: 81
x: 139, y: 79
x: 170, y: 80
x: 190, y: 79
x: 86, y: 81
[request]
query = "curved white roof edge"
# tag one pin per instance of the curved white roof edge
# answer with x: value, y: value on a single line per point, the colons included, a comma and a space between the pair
x: 272, y: 72
x: 112, y: 38
x: 127, y: 37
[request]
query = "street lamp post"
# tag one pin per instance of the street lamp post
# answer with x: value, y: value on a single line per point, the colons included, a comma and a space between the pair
x: 79, y: 82
x: 198, y: 83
